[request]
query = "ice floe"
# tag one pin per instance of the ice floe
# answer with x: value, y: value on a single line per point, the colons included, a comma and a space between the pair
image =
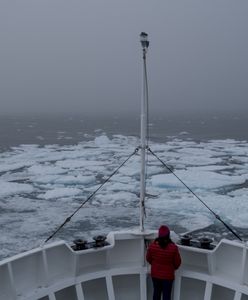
x: 196, y: 179
x: 12, y: 188
x: 61, y: 193
x: 42, y: 185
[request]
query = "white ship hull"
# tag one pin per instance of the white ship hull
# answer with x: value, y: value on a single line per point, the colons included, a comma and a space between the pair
x: 118, y: 271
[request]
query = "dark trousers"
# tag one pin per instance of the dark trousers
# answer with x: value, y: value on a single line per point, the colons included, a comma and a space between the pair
x: 162, y: 287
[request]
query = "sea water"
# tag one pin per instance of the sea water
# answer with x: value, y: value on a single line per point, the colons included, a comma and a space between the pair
x: 50, y: 165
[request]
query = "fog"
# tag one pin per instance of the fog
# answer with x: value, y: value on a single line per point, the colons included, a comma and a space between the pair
x: 74, y: 56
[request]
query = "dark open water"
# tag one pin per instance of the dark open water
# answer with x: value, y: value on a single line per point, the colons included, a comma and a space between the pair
x: 64, y: 130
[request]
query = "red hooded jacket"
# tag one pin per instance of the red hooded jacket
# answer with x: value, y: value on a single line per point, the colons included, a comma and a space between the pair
x: 164, y: 261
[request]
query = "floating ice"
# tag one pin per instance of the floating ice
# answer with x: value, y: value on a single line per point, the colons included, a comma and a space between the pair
x: 42, y: 185
x: 239, y: 192
x: 75, y: 164
x: 122, y: 199
x: 195, y: 179
x: 45, y: 170
x: 61, y: 193
x: 11, y: 188
x: 195, y: 221
x: 12, y: 167
x: 80, y: 180
x: 102, y: 140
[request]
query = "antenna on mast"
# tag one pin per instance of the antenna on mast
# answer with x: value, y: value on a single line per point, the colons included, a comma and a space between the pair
x: 143, y: 129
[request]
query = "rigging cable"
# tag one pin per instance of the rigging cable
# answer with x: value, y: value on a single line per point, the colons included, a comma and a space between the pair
x: 90, y: 197
x: 216, y: 216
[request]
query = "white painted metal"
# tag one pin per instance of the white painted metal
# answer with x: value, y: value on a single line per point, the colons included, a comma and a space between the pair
x: 11, y: 281
x: 111, y: 294
x: 79, y: 292
x: 143, y: 135
x: 52, y: 297
x: 208, y: 291
x: 117, y: 272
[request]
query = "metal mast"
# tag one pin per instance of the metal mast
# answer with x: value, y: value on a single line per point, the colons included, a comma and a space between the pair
x: 143, y: 129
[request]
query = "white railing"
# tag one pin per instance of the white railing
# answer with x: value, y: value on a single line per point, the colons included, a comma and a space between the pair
x: 118, y: 271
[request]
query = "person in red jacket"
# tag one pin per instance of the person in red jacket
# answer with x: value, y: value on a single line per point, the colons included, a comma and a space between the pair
x: 164, y: 258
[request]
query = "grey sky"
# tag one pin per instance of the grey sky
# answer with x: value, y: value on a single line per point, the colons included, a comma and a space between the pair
x: 84, y: 56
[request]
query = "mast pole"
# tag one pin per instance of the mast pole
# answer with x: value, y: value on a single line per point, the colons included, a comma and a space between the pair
x: 143, y: 129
